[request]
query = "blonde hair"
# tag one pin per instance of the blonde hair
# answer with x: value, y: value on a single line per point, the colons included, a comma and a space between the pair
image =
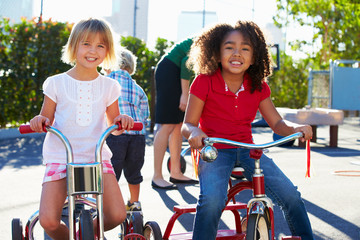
x: 81, y: 31
x: 127, y: 60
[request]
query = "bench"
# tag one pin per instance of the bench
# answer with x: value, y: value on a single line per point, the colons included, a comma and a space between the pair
x: 316, y: 117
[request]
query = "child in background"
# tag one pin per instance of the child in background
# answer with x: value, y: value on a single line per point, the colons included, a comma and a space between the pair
x: 81, y: 103
x: 233, y: 63
x: 129, y: 148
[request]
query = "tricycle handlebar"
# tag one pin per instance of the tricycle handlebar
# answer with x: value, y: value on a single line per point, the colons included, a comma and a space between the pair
x: 209, y: 153
x: 210, y: 141
x: 24, y: 129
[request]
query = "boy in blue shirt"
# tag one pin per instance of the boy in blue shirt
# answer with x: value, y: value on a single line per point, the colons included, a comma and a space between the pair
x: 129, y: 148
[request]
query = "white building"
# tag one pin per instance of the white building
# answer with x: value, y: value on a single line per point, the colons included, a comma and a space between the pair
x: 191, y: 23
x: 130, y: 17
x: 16, y: 9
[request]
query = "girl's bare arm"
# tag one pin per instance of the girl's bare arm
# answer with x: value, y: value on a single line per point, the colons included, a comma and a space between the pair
x: 46, y: 115
x: 278, y: 124
x: 190, y: 128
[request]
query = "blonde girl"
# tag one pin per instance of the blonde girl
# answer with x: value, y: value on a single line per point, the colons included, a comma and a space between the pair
x: 81, y: 103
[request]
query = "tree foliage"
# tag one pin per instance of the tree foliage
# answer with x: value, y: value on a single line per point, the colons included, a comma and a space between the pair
x: 336, y: 24
x: 146, y: 59
x: 289, y: 85
x: 29, y: 52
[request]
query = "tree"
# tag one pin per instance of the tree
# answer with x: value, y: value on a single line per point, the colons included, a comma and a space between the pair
x: 29, y: 52
x: 336, y: 24
x: 289, y: 85
x: 146, y: 59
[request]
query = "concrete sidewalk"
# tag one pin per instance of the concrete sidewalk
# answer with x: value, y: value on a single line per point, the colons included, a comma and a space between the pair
x: 331, y: 199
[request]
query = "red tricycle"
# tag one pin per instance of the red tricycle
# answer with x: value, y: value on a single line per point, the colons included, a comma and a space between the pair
x: 259, y: 220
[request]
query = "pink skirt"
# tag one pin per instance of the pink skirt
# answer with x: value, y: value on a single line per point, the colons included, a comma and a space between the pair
x: 57, y: 171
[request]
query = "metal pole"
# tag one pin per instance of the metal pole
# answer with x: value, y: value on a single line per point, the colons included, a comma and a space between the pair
x: 310, y: 87
x: 135, y: 8
x: 203, y: 25
x: 253, y: 10
x: 41, y: 11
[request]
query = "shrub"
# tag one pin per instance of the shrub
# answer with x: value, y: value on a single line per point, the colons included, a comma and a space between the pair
x: 289, y: 85
x: 30, y: 51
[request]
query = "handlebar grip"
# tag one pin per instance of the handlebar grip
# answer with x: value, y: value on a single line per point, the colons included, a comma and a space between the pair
x: 24, y: 129
x: 138, y: 126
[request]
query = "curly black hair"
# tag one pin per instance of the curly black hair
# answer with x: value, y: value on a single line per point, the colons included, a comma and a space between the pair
x: 205, y: 51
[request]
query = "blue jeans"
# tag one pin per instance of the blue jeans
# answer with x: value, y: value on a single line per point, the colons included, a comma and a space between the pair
x: 214, y: 179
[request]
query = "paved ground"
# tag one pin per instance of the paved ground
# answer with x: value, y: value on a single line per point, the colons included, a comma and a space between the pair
x: 331, y: 199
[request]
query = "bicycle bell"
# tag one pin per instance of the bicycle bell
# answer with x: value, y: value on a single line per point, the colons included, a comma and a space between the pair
x: 208, y: 153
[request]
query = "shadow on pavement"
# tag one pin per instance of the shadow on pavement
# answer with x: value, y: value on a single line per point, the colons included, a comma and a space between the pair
x: 21, y: 152
x: 344, y: 226
x: 336, y: 152
x: 186, y: 220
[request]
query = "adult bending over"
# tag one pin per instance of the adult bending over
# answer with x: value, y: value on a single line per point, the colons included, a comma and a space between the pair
x: 172, y: 90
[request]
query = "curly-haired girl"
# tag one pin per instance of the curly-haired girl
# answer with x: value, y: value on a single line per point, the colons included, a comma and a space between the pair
x: 233, y: 63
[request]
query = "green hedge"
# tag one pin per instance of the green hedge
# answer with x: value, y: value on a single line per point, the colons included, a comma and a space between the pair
x: 29, y: 52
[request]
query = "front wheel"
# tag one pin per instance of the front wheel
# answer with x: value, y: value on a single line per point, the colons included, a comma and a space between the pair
x: 152, y: 231
x: 258, y: 227
x: 86, y: 225
x: 16, y: 229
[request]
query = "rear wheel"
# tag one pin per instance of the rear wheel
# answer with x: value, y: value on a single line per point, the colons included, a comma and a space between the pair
x: 136, y: 223
x: 16, y: 229
x: 152, y: 231
x: 258, y: 227
x: 182, y: 164
x: 86, y: 226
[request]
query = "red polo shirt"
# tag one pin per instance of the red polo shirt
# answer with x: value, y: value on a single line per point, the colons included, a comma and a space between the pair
x: 225, y: 114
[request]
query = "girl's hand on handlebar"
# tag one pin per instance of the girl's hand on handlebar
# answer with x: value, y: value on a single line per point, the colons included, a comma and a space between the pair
x: 126, y: 121
x: 196, y: 138
x: 307, y: 132
x: 38, y: 122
